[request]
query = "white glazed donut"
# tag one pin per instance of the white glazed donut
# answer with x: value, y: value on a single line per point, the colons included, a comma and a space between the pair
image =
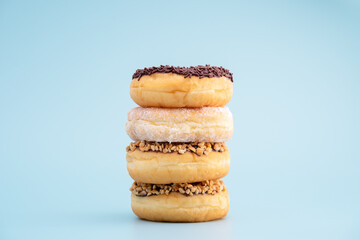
x: 207, y: 124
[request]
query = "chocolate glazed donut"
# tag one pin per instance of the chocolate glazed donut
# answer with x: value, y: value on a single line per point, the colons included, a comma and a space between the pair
x: 175, y: 87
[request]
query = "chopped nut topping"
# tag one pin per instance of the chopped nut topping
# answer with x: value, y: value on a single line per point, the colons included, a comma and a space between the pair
x: 200, y: 149
x: 206, y: 187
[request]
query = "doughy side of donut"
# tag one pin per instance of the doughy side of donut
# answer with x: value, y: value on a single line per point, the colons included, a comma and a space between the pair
x: 165, y: 168
x: 176, y: 207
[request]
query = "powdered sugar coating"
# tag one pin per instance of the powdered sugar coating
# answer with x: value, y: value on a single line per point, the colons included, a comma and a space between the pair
x: 164, y: 114
x: 208, y: 124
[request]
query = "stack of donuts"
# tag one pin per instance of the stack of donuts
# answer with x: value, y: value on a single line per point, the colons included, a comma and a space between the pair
x: 179, y: 153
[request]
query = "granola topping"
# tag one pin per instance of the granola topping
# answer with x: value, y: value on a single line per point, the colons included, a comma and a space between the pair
x: 202, y: 148
x: 210, y: 187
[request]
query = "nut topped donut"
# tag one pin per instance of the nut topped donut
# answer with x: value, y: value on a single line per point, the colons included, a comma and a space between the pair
x: 165, y: 163
x: 195, y: 202
x: 177, y: 87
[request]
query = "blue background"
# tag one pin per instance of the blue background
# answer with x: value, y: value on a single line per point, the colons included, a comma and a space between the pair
x: 65, y: 70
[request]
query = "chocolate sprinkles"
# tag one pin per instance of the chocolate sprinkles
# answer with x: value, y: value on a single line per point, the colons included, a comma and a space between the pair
x: 199, y: 71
